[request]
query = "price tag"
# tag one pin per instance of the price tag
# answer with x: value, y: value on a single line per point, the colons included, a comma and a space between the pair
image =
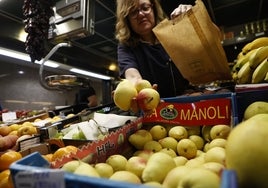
x: 40, y: 179
x: 9, y: 116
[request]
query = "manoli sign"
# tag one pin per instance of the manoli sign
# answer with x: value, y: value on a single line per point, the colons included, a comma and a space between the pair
x: 207, y: 112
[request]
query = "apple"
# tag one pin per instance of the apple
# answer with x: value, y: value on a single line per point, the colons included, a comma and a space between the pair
x: 27, y: 129
x: 5, y: 130
x: 148, y: 99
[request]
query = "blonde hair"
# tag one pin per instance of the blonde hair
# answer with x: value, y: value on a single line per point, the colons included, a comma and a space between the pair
x: 123, y: 32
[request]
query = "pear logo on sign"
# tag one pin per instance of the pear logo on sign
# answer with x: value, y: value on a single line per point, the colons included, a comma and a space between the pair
x: 169, y: 112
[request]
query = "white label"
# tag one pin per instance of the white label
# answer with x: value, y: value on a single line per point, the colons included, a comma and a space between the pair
x: 9, y: 116
x: 40, y: 179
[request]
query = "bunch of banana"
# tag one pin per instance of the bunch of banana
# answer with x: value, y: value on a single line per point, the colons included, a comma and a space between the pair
x: 256, y: 68
x: 251, y: 65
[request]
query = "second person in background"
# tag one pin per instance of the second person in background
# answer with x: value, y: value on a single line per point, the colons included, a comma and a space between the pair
x: 140, y: 55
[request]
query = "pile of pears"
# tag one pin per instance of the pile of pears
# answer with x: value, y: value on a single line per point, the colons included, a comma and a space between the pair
x: 166, y: 156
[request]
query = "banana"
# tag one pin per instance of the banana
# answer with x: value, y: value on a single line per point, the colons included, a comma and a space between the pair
x: 260, y: 72
x: 244, y: 74
x: 262, y: 41
x: 266, y: 77
x: 241, y: 61
x: 258, y: 56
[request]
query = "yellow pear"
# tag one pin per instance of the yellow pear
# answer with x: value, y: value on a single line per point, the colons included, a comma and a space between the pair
x: 124, y: 94
x: 169, y: 151
x: 104, y: 170
x: 125, y: 176
x: 139, y: 138
x: 257, y: 107
x: 158, y: 132
x: 152, y: 145
x: 153, y: 184
x: 158, y: 166
x: 180, y: 160
x: 214, y: 167
x: 187, y: 148
x: 200, y: 178
x: 205, y: 131
x: 141, y: 84
x: 220, y: 131
x: 86, y: 169
x: 193, y: 130
x: 246, y: 151
x: 169, y: 142
x: 195, y: 162
x: 178, y: 132
x: 217, y: 142
x: 146, y: 154
x: 174, y: 176
x: 117, y: 161
x: 136, y: 165
x: 198, y: 140
x: 216, y: 154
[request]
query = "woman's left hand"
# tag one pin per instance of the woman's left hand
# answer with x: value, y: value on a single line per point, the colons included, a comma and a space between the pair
x: 179, y: 10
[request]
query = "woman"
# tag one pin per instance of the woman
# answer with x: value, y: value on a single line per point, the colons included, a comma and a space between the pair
x: 140, y: 55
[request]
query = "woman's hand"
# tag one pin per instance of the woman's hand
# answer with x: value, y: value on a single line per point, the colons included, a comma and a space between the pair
x: 179, y: 10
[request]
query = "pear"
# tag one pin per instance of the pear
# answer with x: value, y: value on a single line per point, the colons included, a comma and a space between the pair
x: 146, y: 154
x: 220, y: 131
x: 217, y: 142
x: 86, y: 169
x: 216, y: 154
x: 141, y: 84
x: 169, y: 142
x: 139, y: 138
x: 205, y: 131
x: 104, y: 170
x: 257, y: 107
x: 193, y: 130
x: 198, y: 140
x: 152, y: 145
x: 187, y: 148
x: 169, y: 151
x: 153, y: 184
x: 174, y: 176
x: 123, y: 95
x: 158, y: 166
x: 246, y: 151
x: 158, y: 132
x: 195, y: 162
x: 71, y: 166
x: 180, y: 160
x: 125, y: 176
x: 117, y: 161
x: 214, y: 167
x: 136, y: 165
x: 178, y: 132
x: 200, y: 178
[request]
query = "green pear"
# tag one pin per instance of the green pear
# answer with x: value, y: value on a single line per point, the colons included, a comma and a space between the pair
x: 86, y: 169
x: 200, y: 178
x: 158, y: 166
x: 257, y: 107
x: 174, y: 176
x: 246, y: 152
x: 71, y: 166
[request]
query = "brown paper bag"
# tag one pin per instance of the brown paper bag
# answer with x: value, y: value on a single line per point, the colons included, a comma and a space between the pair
x: 193, y: 43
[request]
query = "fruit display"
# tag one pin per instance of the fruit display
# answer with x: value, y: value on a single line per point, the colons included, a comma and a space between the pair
x: 251, y: 65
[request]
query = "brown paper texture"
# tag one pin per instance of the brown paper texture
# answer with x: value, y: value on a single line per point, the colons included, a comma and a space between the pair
x: 193, y: 43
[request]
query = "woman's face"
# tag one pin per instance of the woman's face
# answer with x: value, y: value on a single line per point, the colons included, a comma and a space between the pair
x: 141, y: 18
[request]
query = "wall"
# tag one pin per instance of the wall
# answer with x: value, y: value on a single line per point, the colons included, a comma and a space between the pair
x: 24, y: 91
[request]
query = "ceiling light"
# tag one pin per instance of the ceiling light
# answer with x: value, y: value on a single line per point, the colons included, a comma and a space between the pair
x: 92, y: 74
x: 24, y: 57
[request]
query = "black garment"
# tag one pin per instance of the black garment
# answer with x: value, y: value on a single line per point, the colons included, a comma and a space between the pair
x: 154, y: 65
x: 84, y: 93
